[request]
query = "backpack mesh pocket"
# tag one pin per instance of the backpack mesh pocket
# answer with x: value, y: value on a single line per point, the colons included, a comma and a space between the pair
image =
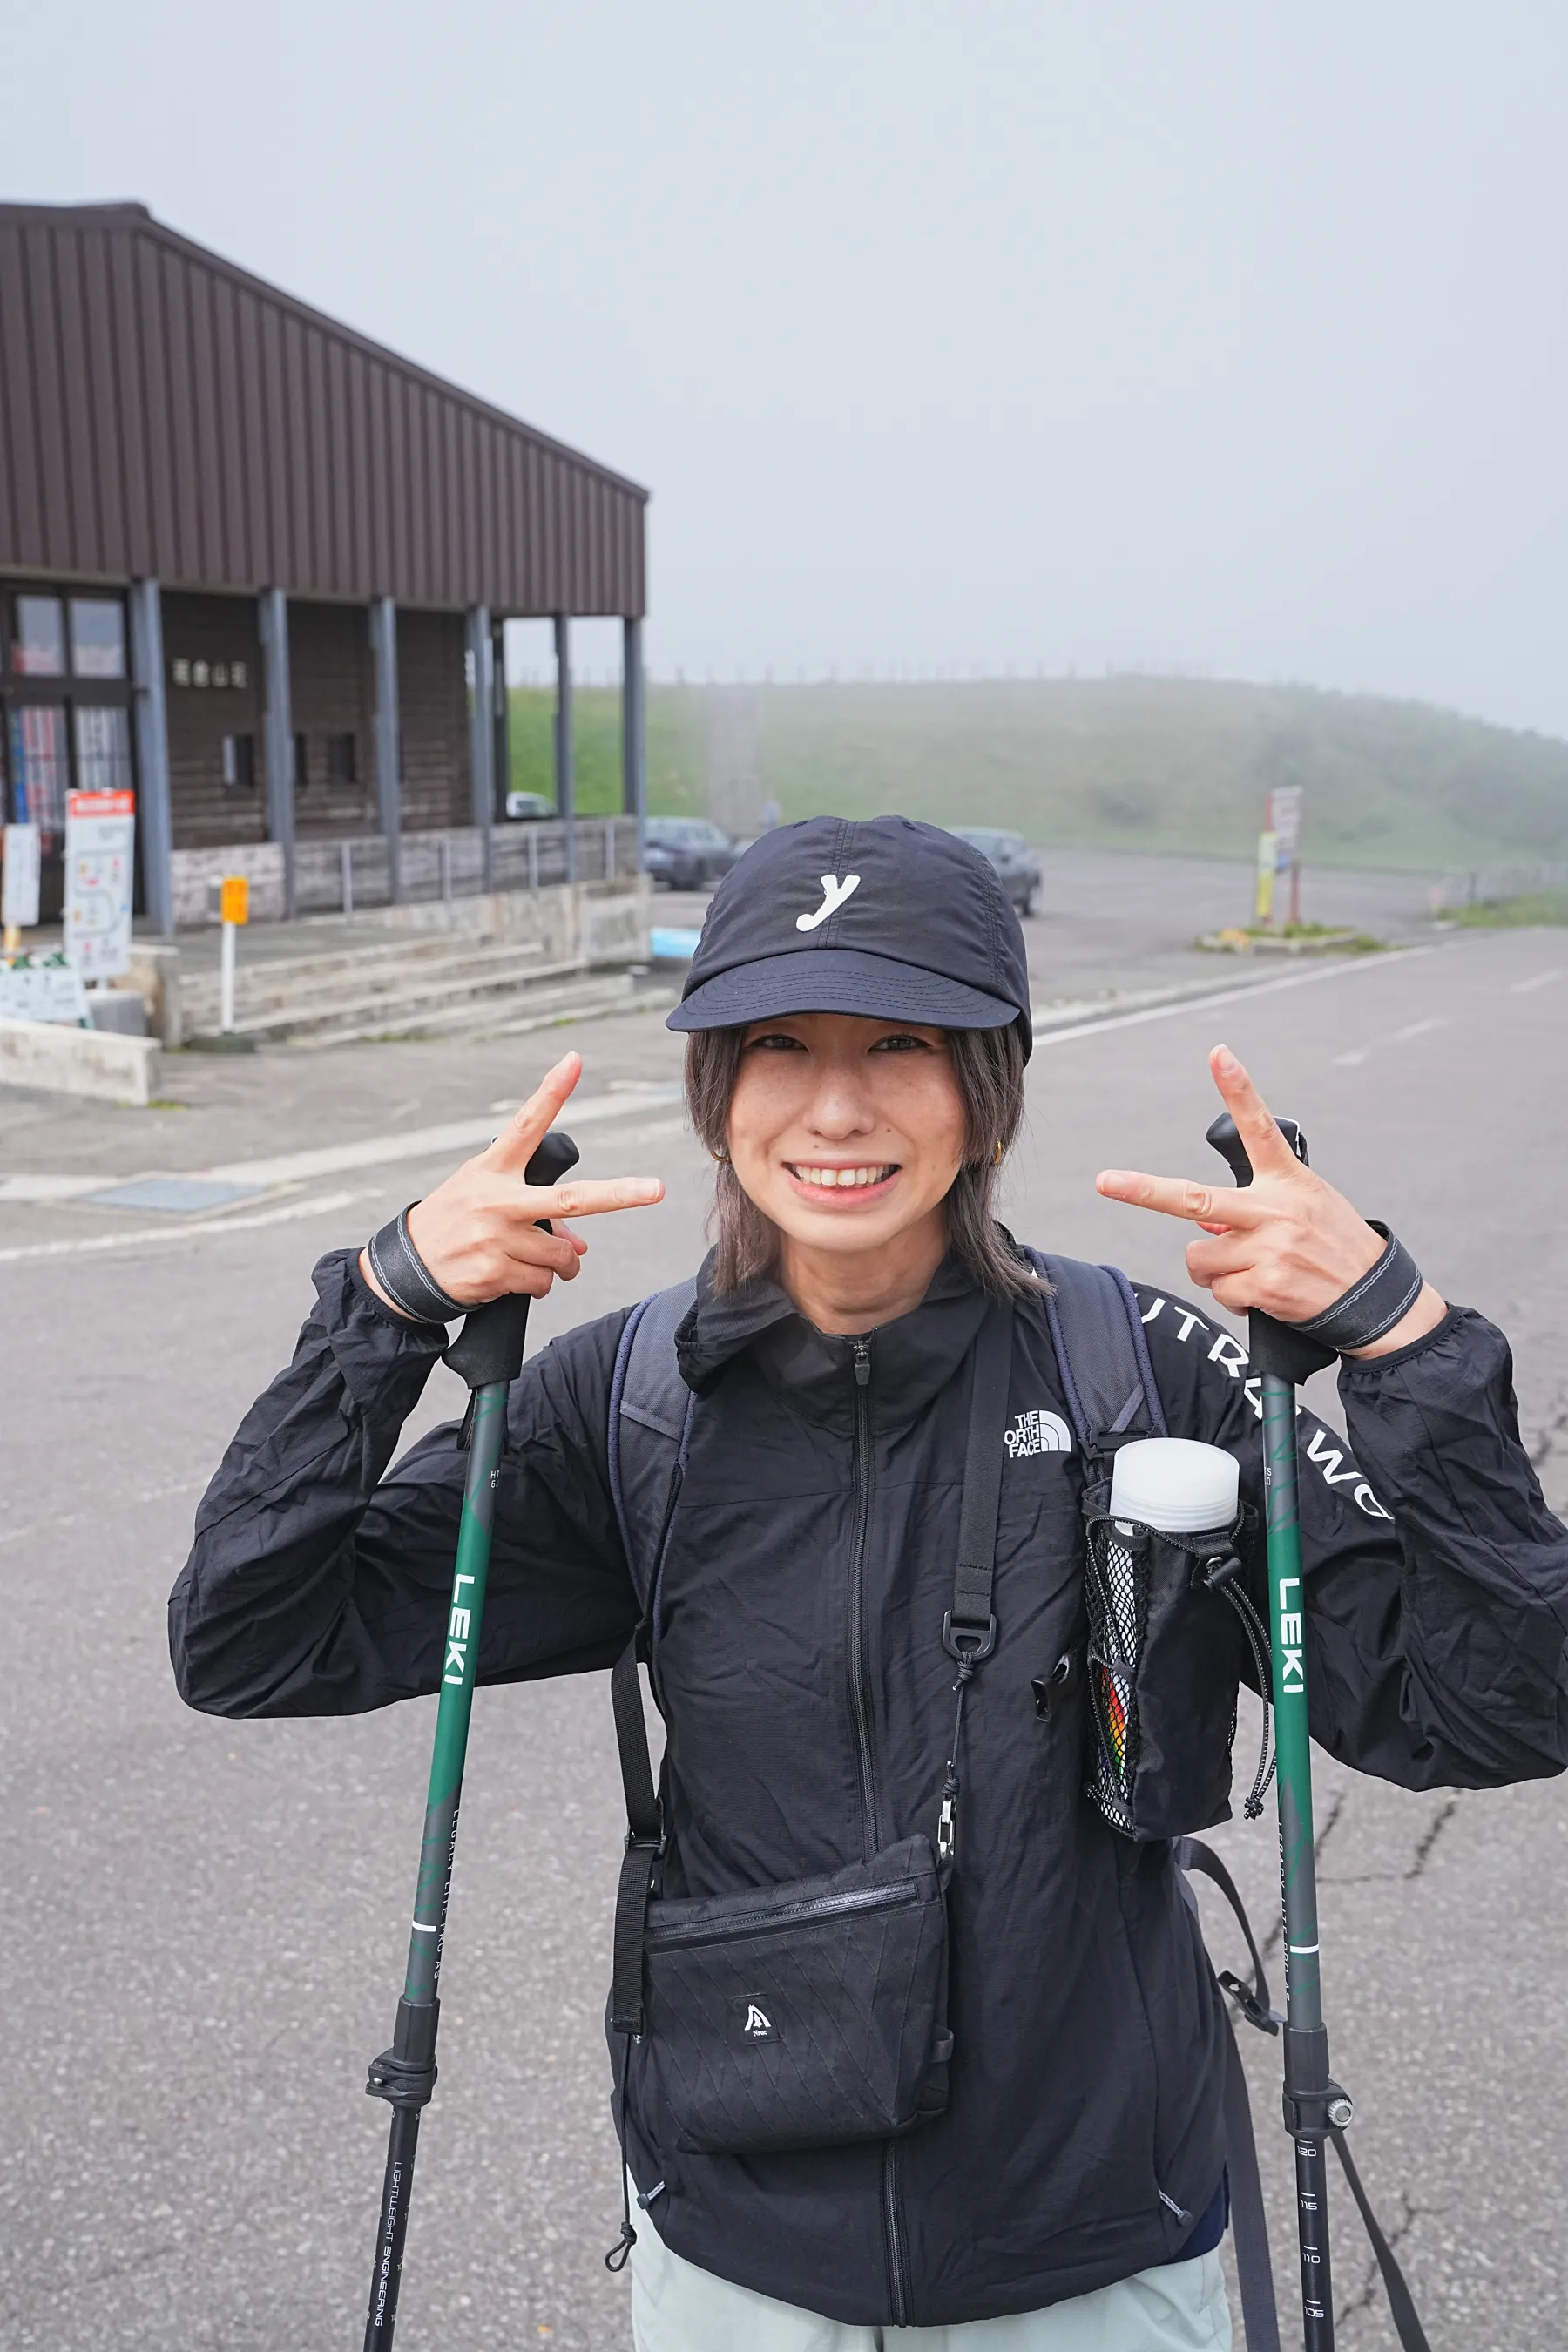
x: 1165, y: 1657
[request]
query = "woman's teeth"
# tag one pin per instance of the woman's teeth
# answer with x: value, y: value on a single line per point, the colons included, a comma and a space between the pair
x: 842, y: 1176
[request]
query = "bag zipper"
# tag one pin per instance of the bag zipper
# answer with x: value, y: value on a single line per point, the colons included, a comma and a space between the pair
x: 892, y: 1896
x: 866, y: 1748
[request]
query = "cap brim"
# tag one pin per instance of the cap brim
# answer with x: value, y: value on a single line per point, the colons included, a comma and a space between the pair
x: 839, y: 979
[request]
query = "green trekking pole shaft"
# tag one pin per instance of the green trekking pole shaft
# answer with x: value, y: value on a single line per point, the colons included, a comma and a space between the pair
x: 1307, y: 2087
x: 488, y: 1354
x: 1313, y: 2100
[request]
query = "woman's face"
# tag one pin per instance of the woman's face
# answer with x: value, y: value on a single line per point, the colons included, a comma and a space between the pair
x: 847, y: 1133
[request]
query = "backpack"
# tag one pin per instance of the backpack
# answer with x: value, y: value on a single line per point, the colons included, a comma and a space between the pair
x: 1107, y: 1378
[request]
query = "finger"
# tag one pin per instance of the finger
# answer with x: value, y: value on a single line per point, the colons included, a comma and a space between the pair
x: 515, y: 1145
x: 578, y: 1243
x: 1208, y: 1261
x: 1173, y: 1196
x: 594, y: 1197
x: 1255, y: 1123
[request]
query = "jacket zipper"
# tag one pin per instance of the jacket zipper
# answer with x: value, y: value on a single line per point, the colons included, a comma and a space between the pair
x: 866, y: 1748
x: 896, y: 1895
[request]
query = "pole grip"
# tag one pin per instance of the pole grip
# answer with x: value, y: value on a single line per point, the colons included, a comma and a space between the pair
x: 489, y: 1345
x: 1274, y: 1346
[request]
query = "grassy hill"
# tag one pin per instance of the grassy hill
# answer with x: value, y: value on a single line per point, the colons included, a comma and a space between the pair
x: 1132, y: 763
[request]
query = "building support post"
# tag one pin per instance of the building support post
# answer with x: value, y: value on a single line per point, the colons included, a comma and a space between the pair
x: 388, y: 751
x: 634, y: 732
x: 565, y: 759
x: 277, y: 734
x: 482, y: 732
x: 500, y: 756
x: 154, y: 810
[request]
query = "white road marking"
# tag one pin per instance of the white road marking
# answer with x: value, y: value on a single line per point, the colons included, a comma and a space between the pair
x: 1230, y: 996
x: 1417, y: 1029
x: 337, y: 1159
x: 86, y: 1243
x: 1537, y: 979
x: 1360, y: 1054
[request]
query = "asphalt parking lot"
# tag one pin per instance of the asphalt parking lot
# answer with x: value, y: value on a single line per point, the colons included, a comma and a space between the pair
x: 207, y: 1918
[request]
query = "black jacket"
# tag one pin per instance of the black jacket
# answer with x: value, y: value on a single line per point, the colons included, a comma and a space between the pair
x: 1085, y: 2086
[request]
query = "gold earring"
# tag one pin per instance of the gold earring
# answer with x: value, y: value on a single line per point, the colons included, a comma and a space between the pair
x: 721, y: 1156
x: 996, y: 1157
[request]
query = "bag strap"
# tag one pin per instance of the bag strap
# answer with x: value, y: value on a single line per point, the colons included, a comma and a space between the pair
x: 969, y: 1629
x: 1101, y: 1353
x: 649, y: 1429
x: 1253, y: 2268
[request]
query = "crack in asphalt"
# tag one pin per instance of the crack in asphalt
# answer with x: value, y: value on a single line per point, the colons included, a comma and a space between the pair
x: 1422, y: 1855
x: 1367, y: 2292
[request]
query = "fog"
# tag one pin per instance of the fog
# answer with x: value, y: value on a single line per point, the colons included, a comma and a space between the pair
x: 1026, y: 335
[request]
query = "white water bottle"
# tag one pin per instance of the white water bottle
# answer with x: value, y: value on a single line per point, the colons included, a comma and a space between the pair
x: 1176, y: 1484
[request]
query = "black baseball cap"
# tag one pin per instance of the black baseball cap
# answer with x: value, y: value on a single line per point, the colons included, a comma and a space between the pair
x: 892, y: 920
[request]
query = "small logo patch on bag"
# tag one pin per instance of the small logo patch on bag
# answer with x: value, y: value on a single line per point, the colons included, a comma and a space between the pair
x: 1038, y: 1432
x: 756, y: 2024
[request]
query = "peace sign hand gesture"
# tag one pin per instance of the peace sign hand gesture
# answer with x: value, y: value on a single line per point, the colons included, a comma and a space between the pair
x: 1288, y: 1243
x: 479, y: 1233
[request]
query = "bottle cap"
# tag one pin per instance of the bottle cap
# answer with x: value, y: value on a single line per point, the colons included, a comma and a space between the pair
x: 1175, y: 1484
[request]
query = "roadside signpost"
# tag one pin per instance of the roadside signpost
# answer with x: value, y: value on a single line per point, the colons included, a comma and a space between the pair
x: 100, y: 835
x: 19, y: 891
x: 234, y: 909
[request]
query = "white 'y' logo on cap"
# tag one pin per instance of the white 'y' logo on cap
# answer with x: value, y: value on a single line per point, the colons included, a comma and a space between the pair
x: 833, y: 894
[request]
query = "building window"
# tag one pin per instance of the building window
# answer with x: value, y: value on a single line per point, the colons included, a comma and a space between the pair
x: 239, y: 762
x: 98, y: 636
x: 38, y: 647
x: 343, y: 764
x: 301, y: 762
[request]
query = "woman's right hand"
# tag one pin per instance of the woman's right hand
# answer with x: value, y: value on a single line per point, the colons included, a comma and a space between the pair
x: 479, y: 1233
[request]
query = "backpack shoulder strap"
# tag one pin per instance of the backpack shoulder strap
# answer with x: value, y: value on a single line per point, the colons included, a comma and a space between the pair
x: 1101, y: 1353
x: 650, y: 1427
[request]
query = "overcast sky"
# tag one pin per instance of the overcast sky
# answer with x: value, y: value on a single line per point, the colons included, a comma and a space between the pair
x: 1169, y: 333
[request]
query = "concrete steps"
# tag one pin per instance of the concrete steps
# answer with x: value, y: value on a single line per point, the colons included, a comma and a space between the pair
x: 416, y: 986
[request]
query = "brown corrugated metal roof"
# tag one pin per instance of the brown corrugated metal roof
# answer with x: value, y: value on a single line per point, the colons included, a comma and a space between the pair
x: 165, y: 414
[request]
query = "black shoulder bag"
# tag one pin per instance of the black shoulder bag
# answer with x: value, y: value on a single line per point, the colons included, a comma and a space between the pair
x: 812, y: 2013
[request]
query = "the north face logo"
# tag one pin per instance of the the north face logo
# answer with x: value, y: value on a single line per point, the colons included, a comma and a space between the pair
x: 759, y: 2025
x: 1038, y: 1432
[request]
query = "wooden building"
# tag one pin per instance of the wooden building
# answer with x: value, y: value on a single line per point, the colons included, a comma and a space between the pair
x: 257, y: 567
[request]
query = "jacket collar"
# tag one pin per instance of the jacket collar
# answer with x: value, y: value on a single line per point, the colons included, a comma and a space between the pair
x: 911, y: 1358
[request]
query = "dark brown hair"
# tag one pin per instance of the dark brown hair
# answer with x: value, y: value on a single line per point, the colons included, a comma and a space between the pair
x: 988, y: 1065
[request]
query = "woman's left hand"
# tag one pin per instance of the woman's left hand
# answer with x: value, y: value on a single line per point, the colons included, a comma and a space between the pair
x: 1288, y: 1243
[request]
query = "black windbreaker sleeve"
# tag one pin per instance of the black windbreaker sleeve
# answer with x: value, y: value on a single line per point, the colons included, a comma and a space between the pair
x: 1437, y: 1621
x: 318, y: 1584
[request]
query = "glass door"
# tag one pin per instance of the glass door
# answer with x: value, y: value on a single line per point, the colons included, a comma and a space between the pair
x: 64, y: 716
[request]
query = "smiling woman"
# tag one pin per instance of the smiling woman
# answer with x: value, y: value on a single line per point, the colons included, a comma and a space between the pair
x: 899, y: 2043
x: 830, y: 1131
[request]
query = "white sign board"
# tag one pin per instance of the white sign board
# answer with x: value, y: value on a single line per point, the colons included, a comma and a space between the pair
x: 101, y: 832
x: 19, y: 893
x: 1284, y: 819
x: 41, y: 992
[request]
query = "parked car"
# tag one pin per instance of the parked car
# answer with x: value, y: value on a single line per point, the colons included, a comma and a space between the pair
x: 683, y: 853
x: 1017, y: 868
x: 529, y: 805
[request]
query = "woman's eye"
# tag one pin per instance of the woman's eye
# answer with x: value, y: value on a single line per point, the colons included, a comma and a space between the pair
x: 778, y: 1041
x: 901, y: 1045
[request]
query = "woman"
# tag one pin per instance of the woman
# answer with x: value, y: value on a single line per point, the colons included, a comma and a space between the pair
x: 859, y: 1021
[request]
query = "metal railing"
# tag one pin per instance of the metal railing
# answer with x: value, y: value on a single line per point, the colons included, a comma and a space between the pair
x: 339, y: 877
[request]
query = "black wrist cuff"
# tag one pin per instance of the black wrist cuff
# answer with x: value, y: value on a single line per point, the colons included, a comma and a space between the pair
x: 1383, y: 1297
x: 404, y: 1277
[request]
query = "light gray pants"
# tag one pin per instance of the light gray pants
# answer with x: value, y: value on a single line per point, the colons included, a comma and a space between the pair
x: 676, y: 2307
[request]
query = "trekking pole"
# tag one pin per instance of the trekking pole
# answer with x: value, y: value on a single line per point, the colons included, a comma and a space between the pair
x: 487, y: 1355
x: 1315, y: 2105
